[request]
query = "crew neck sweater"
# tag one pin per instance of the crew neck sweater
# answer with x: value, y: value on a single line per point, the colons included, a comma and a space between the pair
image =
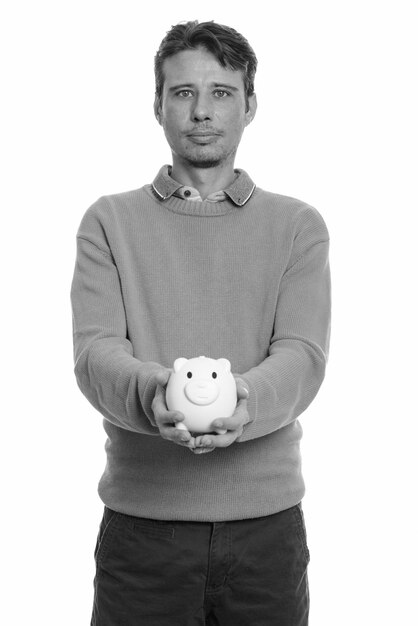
x: 159, y: 277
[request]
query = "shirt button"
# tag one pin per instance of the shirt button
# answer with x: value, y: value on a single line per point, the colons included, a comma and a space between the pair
x: 187, y: 193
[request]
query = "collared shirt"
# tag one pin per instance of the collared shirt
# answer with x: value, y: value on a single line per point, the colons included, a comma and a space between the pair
x: 192, y: 194
x: 240, y: 191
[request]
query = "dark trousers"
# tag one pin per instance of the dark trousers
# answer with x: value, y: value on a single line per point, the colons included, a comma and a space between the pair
x: 240, y: 573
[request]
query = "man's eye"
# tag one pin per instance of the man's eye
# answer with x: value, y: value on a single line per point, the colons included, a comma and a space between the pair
x: 184, y: 93
x: 221, y: 93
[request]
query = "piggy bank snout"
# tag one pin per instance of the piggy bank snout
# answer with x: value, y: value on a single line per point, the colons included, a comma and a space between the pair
x: 201, y: 391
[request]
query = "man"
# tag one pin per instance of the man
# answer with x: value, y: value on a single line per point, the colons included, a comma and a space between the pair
x: 201, y: 529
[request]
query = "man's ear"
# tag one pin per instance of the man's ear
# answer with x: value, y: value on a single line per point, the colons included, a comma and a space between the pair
x: 157, y: 109
x: 252, y: 108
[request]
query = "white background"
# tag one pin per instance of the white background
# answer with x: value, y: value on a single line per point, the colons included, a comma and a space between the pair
x: 337, y: 128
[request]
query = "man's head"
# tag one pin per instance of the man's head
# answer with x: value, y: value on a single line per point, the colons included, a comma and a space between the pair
x: 204, y: 84
x: 228, y: 46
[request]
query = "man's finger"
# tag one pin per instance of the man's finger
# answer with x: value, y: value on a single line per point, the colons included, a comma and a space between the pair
x: 202, y: 444
x: 159, y: 406
x: 171, y: 418
x: 202, y: 450
x: 242, y: 389
x: 238, y: 419
x: 162, y: 377
x: 216, y: 441
x: 164, y: 417
x: 176, y: 435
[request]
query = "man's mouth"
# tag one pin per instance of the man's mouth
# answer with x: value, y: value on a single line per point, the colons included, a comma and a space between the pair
x: 203, y: 133
x: 203, y: 138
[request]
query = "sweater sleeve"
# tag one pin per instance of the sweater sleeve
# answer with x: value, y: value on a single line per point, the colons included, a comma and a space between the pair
x: 283, y: 385
x: 117, y: 384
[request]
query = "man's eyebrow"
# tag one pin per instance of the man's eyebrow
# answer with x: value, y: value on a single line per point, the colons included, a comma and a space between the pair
x: 183, y: 86
x: 225, y: 86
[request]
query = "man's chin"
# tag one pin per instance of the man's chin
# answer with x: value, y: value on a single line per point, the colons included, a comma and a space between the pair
x: 204, y: 163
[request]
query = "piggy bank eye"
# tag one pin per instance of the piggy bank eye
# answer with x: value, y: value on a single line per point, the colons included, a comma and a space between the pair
x: 214, y: 375
x: 189, y: 374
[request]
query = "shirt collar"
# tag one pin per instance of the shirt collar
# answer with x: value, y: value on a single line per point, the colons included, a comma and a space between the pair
x: 240, y: 191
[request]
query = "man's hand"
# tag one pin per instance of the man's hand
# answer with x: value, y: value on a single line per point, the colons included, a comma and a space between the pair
x: 234, y: 425
x: 166, y: 420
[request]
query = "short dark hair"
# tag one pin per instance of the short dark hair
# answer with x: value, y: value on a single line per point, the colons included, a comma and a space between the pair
x: 228, y: 46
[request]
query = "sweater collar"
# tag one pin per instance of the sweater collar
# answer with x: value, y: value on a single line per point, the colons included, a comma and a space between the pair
x: 239, y: 192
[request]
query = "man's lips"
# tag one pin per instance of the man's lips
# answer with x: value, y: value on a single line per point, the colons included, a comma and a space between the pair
x: 202, y: 137
x: 203, y: 133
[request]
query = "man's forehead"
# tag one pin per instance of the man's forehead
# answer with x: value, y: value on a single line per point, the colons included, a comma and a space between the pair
x: 196, y: 66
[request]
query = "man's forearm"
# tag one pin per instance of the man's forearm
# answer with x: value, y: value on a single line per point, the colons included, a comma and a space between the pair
x: 286, y: 382
x: 282, y: 387
x: 116, y: 383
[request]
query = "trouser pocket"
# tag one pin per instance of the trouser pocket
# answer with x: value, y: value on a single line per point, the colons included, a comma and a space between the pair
x: 301, y: 529
x: 106, y: 530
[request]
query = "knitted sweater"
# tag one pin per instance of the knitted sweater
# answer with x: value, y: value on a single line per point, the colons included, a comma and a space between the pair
x: 159, y: 277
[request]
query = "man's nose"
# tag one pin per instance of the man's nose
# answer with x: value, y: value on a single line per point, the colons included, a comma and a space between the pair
x: 202, y: 109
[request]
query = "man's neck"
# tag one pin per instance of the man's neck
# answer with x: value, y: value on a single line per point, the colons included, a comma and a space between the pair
x: 205, y: 180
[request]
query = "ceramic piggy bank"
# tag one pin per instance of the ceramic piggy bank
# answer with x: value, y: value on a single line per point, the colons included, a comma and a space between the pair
x: 202, y: 389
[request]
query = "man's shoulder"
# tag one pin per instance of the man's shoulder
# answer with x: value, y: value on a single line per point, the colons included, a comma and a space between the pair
x: 113, y: 210
x: 113, y: 203
x: 124, y: 198
x: 285, y: 206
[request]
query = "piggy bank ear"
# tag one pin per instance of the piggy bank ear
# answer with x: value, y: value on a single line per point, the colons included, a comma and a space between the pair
x: 225, y: 364
x: 178, y: 363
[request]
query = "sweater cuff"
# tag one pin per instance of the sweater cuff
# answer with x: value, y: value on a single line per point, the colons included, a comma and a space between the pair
x: 147, y: 387
x: 251, y: 408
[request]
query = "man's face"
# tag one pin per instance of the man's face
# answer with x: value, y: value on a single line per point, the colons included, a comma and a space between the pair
x: 202, y: 109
